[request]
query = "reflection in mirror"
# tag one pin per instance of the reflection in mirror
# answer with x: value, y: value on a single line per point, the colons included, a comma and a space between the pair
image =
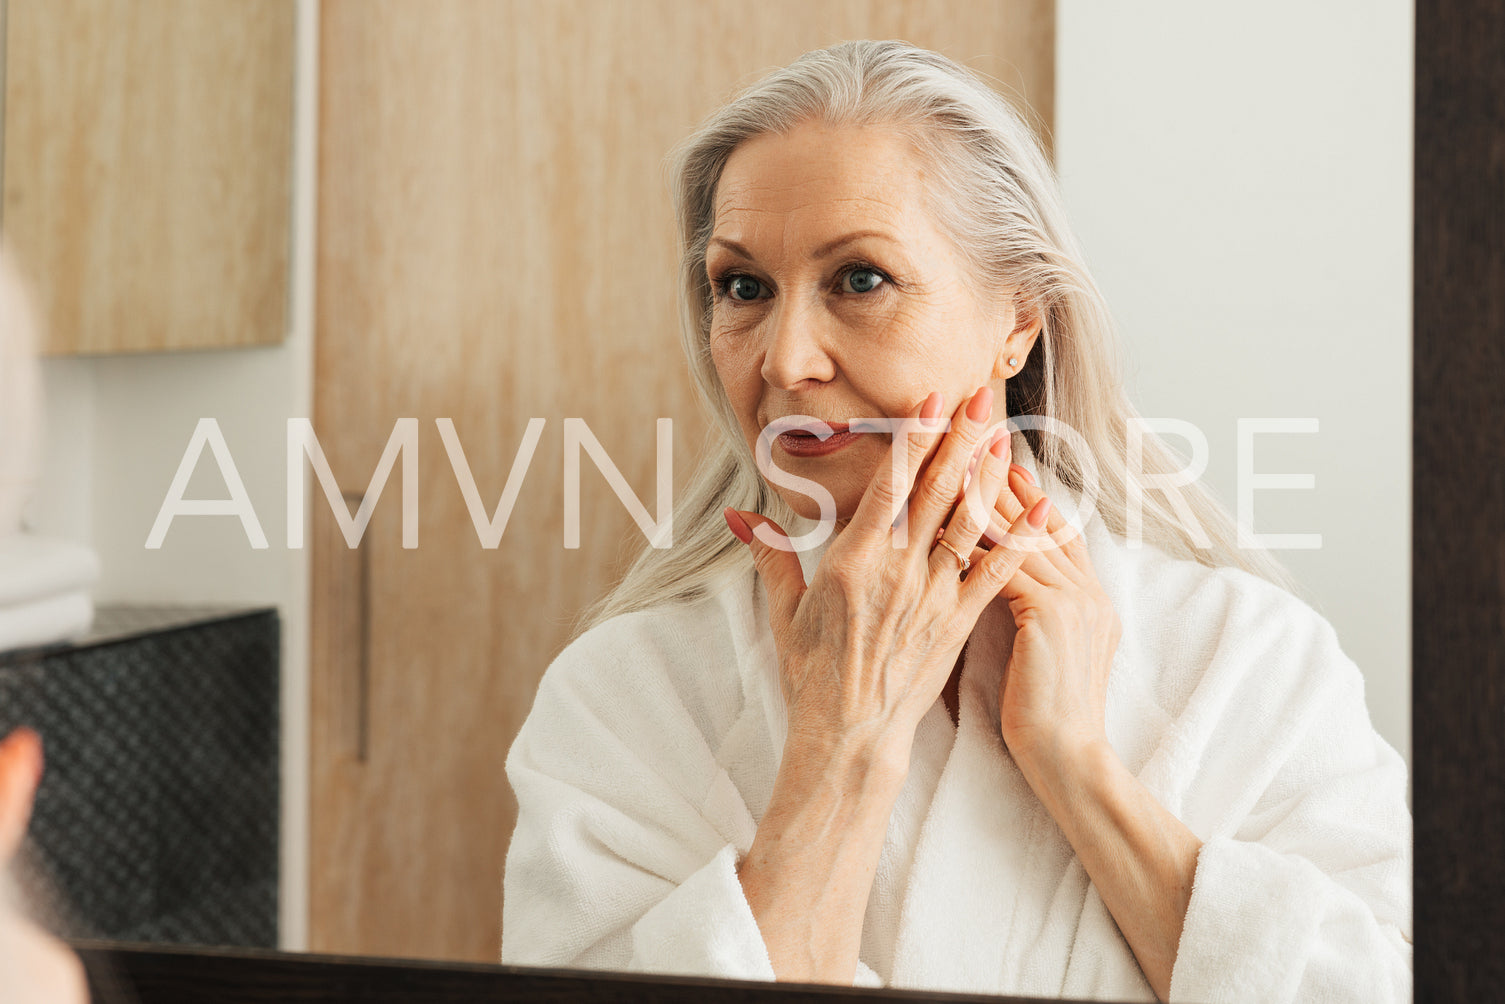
x: 496, y: 262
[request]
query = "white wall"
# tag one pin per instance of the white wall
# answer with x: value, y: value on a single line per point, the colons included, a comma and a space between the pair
x: 116, y: 428
x: 1240, y: 176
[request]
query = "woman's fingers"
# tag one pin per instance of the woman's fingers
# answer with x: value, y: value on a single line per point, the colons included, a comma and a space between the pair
x: 1070, y: 547
x: 1047, y: 561
x: 783, y: 576
x: 1008, y: 507
x: 872, y: 524
x: 940, y: 485
x: 993, y: 570
x: 970, y: 517
x: 1022, y: 493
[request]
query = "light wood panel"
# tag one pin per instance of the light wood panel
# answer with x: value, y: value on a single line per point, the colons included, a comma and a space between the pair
x: 496, y: 244
x: 148, y: 169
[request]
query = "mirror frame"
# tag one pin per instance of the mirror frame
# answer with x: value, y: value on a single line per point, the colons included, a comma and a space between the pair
x: 1458, y: 500
x: 1458, y: 613
x: 158, y: 974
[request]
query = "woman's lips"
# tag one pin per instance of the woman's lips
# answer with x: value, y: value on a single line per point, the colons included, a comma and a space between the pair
x: 807, y: 444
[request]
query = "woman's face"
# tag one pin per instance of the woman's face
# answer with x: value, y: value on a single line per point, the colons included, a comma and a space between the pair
x: 837, y: 296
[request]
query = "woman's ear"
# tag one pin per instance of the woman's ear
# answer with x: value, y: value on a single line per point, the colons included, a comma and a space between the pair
x: 1027, y: 321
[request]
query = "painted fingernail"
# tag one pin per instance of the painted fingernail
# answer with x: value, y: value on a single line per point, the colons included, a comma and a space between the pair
x: 1001, y: 447
x: 981, y: 405
x: 1026, y: 475
x: 930, y: 413
x: 737, y: 525
x: 1038, y: 514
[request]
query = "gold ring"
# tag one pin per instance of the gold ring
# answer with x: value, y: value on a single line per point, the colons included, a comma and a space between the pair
x: 966, y: 562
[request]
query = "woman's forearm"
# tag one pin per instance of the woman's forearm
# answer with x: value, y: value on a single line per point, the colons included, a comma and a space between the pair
x: 1140, y: 857
x: 811, y: 866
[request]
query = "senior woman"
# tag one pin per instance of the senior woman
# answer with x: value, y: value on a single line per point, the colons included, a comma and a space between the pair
x: 927, y: 717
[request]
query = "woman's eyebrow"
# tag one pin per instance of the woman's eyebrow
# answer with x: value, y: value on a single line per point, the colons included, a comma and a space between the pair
x: 824, y: 251
x: 732, y: 246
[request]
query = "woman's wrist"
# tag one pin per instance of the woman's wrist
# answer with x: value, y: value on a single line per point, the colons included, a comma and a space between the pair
x: 869, y: 755
x: 1141, y: 859
x: 1058, y: 763
x: 810, y: 869
x: 850, y: 776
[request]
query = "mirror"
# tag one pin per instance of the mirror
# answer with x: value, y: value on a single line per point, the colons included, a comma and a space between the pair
x: 1241, y: 192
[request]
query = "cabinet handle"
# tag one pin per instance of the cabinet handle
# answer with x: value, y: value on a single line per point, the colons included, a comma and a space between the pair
x: 363, y: 664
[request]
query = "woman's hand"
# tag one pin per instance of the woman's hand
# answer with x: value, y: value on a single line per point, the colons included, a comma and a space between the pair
x: 1141, y: 859
x: 866, y: 647
x: 864, y: 650
x: 1055, y: 684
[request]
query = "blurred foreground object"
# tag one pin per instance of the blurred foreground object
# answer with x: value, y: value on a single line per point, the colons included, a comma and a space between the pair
x: 20, y: 396
x: 34, y: 966
x: 45, y: 584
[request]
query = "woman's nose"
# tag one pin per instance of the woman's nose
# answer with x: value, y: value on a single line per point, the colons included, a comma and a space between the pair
x: 796, y: 350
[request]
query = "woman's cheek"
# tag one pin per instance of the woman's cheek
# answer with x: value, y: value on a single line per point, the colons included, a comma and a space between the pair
x: 729, y: 356
x: 741, y: 378
x: 898, y: 334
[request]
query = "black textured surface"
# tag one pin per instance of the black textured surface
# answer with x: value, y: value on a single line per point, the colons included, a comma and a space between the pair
x: 157, y: 817
x: 119, y: 622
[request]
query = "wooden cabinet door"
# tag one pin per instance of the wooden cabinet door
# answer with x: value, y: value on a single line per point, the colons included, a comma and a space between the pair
x: 148, y: 169
x: 496, y: 244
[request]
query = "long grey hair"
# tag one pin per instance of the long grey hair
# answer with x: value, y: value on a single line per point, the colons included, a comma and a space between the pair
x: 996, y: 195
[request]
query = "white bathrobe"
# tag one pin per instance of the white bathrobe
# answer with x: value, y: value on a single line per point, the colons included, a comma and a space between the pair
x: 651, y: 750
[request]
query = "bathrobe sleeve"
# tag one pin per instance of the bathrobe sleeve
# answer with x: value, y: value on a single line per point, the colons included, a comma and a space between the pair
x: 629, y: 831
x: 1302, y: 889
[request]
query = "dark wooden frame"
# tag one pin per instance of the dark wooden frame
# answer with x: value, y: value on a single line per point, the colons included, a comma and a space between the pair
x: 1458, y: 500
x: 1458, y: 609
x: 154, y: 974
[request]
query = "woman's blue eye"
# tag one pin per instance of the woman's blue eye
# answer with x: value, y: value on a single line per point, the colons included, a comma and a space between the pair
x: 863, y: 280
x: 743, y: 287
